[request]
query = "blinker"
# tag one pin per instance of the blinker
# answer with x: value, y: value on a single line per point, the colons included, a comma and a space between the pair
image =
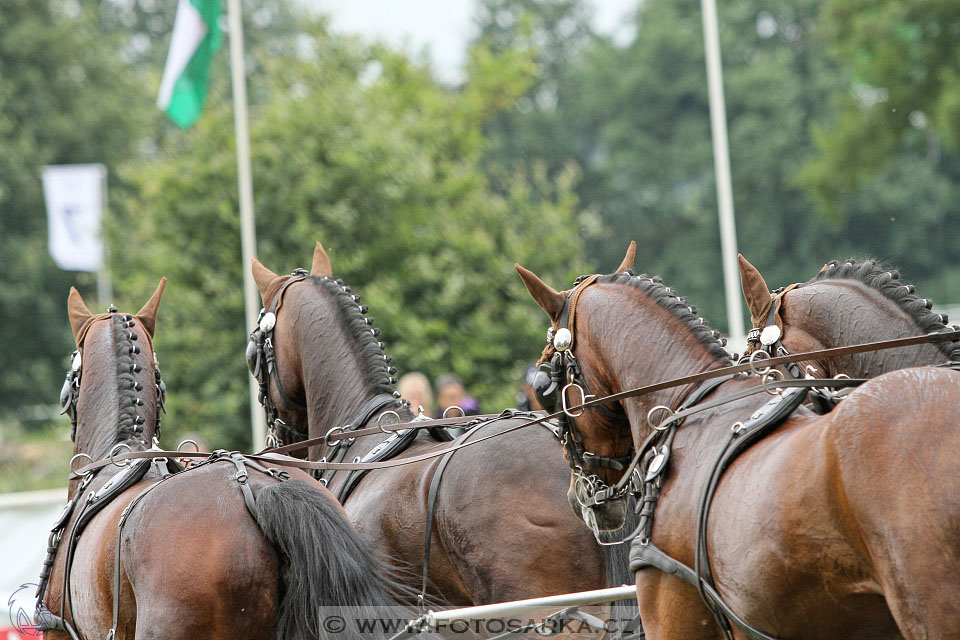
x: 77, y: 361
x: 253, y: 361
x: 543, y: 388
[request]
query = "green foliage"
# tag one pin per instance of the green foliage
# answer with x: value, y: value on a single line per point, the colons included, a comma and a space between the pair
x: 60, y: 88
x: 902, y: 58
x: 361, y: 150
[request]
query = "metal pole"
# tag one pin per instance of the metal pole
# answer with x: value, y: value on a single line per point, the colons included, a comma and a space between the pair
x: 104, y: 283
x: 721, y: 165
x: 248, y: 238
x: 517, y: 607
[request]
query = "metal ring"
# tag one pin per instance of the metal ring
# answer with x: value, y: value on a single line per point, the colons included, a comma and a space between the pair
x: 563, y: 399
x: 80, y: 455
x: 453, y: 406
x: 662, y: 426
x: 841, y: 376
x: 326, y: 438
x: 585, y: 488
x: 193, y: 442
x: 753, y: 358
x: 811, y: 371
x: 766, y: 378
x: 736, y: 427
x: 114, y: 451
x: 387, y: 413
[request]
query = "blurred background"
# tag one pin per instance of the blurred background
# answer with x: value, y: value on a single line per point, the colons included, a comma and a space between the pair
x: 429, y: 146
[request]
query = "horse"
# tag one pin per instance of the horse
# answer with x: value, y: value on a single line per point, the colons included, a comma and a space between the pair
x: 499, y: 528
x: 846, y: 304
x: 836, y: 526
x: 227, y: 549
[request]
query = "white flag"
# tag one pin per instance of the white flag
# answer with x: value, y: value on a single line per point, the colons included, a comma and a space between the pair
x: 75, y: 195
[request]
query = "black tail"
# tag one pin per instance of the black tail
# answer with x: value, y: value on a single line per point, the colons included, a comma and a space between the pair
x: 328, y: 575
x: 616, y: 565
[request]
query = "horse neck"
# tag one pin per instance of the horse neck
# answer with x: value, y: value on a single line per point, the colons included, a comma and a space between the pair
x: 110, y: 406
x: 645, y: 346
x: 837, y: 313
x: 338, y: 371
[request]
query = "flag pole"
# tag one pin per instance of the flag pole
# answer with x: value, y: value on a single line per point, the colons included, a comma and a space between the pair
x: 721, y: 165
x: 248, y: 238
x: 104, y: 282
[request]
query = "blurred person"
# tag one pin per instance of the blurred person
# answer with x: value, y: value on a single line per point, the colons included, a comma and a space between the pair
x: 414, y: 387
x: 526, y: 398
x: 450, y: 393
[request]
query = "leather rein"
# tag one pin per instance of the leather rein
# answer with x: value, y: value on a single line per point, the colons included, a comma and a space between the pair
x: 951, y: 335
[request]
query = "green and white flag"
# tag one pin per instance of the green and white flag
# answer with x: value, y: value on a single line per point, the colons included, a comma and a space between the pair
x: 196, y: 37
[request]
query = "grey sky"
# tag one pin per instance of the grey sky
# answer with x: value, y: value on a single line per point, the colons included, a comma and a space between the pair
x: 441, y: 26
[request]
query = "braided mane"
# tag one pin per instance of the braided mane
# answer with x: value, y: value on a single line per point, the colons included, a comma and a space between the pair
x: 372, y: 357
x: 887, y: 282
x: 128, y: 427
x: 676, y: 305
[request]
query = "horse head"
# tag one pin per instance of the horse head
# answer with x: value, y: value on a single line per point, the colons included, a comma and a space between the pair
x: 314, y: 351
x: 113, y: 392
x: 845, y: 304
x: 587, y: 346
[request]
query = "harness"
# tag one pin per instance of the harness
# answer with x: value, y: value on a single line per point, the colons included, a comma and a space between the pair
x: 643, y: 475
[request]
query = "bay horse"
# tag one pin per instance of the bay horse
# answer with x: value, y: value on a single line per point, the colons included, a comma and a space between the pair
x: 845, y: 525
x: 846, y: 304
x: 223, y: 550
x: 500, y: 528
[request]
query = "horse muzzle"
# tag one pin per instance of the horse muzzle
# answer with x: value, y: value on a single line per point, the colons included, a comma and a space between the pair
x: 608, y: 515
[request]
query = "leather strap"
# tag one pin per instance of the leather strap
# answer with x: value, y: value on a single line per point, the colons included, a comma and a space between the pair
x: 649, y: 555
x: 432, y: 501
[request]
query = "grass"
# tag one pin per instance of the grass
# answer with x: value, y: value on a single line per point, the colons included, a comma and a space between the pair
x: 34, y: 453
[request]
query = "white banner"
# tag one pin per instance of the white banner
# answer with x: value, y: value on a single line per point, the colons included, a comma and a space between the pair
x: 75, y: 195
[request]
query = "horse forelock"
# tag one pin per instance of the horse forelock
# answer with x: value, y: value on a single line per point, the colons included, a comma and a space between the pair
x: 885, y: 281
x: 669, y: 300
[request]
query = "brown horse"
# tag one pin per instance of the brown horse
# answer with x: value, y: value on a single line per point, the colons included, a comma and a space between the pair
x: 500, y: 526
x: 845, y: 304
x: 224, y: 550
x: 838, y: 526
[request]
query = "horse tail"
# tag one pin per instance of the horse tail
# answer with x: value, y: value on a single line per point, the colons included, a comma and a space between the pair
x: 616, y: 564
x: 328, y: 575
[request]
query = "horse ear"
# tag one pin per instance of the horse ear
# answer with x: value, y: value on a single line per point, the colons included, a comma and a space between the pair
x: 148, y: 314
x: 627, y: 263
x: 263, y: 277
x: 77, y: 311
x: 755, y: 291
x: 321, y: 263
x: 549, y: 299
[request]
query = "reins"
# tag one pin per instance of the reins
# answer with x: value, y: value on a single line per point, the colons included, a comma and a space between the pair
x: 953, y: 334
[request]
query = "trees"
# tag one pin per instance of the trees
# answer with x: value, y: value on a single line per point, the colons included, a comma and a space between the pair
x: 359, y: 148
x: 60, y: 88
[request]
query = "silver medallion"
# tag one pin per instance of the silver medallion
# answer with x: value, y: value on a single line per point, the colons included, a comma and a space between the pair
x: 268, y: 321
x: 769, y: 335
x: 562, y: 339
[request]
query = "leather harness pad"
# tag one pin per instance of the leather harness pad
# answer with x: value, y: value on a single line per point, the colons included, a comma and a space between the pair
x: 389, y: 448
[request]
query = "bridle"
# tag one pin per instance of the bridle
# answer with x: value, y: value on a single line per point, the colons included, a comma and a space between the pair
x: 70, y: 392
x: 558, y: 376
x: 261, y: 360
